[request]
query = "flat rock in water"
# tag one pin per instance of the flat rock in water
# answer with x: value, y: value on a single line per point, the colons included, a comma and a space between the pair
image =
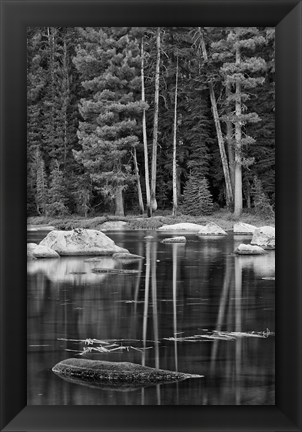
x: 264, y: 237
x: 185, y: 226
x: 244, y: 249
x: 81, y: 242
x: 115, y: 374
x: 45, y: 252
x: 211, y: 229
x: 126, y: 256
x: 180, y: 239
x: 243, y: 228
x: 40, y: 228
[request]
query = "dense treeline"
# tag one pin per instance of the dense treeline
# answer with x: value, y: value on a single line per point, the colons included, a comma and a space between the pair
x: 139, y: 119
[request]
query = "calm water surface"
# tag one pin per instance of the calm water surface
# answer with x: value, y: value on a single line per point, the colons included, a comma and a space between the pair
x: 180, y: 291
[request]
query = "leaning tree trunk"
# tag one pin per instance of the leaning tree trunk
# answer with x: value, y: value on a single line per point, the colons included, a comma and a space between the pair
x: 238, y: 161
x: 174, y: 176
x: 139, y: 189
x: 155, y: 125
x: 119, y: 202
x: 224, y: 161
x: 147, y: 178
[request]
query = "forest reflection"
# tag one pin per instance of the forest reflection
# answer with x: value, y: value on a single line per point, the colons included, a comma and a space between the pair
x: 179, y: 291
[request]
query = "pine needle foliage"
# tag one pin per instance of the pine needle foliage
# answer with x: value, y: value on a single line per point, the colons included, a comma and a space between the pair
x: 261, y: 201
x: 197, y: 197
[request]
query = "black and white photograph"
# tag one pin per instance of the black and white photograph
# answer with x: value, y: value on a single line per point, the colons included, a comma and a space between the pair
x: 150, y: 216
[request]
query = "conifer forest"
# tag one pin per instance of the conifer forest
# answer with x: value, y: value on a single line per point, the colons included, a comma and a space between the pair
x: 136, y: 120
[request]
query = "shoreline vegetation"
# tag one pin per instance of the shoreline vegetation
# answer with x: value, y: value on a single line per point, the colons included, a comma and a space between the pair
x: 223, y: 218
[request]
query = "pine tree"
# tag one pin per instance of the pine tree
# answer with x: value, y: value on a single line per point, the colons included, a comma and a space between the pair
x: 57, y: 200
x: 239, y: 71
x: 41, y: 185
x: 261, y: 201
x: 197, y: 197
x: 109, y: 63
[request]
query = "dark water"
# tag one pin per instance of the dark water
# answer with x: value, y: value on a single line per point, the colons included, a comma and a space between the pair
x: 180, y: 290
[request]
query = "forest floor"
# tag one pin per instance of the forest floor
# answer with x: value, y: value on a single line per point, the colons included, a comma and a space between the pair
x: 223, y: 218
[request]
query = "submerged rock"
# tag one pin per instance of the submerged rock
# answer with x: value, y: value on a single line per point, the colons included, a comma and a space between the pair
x: 81, y: 242
x: 115, y: 374
x: 264, y: 237
x: 211, y: 229
x: 45, y: 252
x: 244, y: 249
x: 185, y: 226
x: 180, y: 239
x: 243, y: 228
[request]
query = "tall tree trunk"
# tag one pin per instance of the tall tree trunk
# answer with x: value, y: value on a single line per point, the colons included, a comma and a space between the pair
x: 147, y: 177
x: 66, y: 99
x: 238, y: 134
x: 139, y: 189
x: 119, y: 202
x: 224, y: 161
x: 155, y: 125
x: 230, y: 145
x: 174, y: 146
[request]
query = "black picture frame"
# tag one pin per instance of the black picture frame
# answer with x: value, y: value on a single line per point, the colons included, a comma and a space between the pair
x: 286, y: 16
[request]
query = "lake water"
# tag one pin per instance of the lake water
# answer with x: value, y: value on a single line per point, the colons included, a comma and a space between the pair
x: 175, y: 313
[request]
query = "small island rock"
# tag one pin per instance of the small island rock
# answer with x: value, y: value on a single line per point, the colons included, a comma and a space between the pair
x: 247, y: 249
x: 243, y: 228
x: 81, y: 242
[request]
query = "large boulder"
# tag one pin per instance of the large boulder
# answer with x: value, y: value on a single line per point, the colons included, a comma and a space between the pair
x: 81, y: 242
x: 185, y: 226
x: 117, y: 375
x: 44, y: 252
x: 264, y: 237
x: 246, y: 249
x: 211, y: 229
x: 243, y: 228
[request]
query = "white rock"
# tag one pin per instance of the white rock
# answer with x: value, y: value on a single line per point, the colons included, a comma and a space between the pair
x: 264, y: 237
x: 243, y: 228
x: 180, y: 239
x: 44, y: 252
x: 113, y: 226
x: 212, y: 229
x: 244, y: 249
x: 186, y: 226
x: 81, y: 242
